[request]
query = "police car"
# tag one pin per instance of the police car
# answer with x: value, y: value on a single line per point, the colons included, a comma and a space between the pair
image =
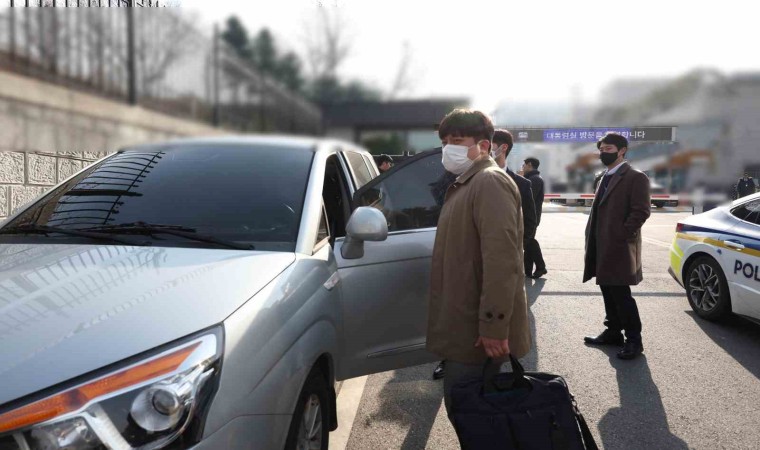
x: 715, y: 256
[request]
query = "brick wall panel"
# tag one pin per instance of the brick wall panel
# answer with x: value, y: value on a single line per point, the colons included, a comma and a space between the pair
x: 11, y: 167
x: 68, y: 167
x: 21, y: 195
x: 5, y: 206
x: 41, y: 169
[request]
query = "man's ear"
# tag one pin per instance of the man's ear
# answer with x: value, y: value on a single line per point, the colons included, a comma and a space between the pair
x: 623, y: 151
x: 484, y: 145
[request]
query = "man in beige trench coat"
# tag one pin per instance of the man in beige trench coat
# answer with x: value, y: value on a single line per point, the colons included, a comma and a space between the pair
x: 478, y: 307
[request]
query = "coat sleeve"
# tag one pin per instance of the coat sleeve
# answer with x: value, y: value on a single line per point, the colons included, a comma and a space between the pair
x: 497, y: 217
x: 640, y: 206
x: 537, y: 186
x: 529, y: 211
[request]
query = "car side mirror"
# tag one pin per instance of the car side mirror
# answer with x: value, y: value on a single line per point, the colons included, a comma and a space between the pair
x: 365, y: 224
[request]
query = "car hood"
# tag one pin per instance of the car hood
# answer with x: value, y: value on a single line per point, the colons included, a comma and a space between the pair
x: 66, y: 310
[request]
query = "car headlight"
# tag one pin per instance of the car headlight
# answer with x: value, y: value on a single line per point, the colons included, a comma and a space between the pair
x: 150, y: 404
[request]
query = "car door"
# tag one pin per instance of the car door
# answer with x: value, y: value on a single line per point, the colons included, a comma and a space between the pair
x: 385, y: 293
x: 741, y: 259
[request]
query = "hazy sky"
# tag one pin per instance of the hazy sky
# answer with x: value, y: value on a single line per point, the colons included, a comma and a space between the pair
x: 493, y: 50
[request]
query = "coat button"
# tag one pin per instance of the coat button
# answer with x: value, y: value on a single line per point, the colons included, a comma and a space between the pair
x: 501, y: 316
x: 489, y: 315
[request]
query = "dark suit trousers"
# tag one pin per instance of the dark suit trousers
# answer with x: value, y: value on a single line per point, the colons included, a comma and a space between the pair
x: 533, y: 256
x: 622, y: 312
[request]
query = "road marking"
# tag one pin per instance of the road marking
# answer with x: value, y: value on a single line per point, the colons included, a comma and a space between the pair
x: 656, y: 242
x: 349, y: 398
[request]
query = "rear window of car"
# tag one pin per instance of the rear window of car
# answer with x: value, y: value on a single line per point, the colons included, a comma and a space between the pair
x: 749, y: 212
x: 243, y: 193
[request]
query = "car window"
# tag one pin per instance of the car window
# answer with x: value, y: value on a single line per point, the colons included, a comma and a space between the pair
x: 749, y: 212
x: 412, y: 196
x: 359, y: 168
x: 243, y: 193
x: 372, y: 166
x: 335, y: 197
x: 754, y: 212
x: 323, y: 232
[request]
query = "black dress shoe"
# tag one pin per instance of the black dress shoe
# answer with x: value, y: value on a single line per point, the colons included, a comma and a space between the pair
x: 538, y: 274
x: 439, y: 371
x: 608, y: 337
x: 631, y: 350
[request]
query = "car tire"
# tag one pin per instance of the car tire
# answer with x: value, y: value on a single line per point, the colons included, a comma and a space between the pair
x: 707, y: 289
x: 659, y: 204
x: 309, y: 428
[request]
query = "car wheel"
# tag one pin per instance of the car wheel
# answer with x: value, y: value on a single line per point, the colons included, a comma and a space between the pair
x: 659, y: 204
x: 707, y: 289
x: 310, y: 423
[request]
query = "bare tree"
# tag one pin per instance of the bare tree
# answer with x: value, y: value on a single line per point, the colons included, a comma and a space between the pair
x: 403, y: 82
x: 161, y: 43
x: 327, y: 42
x: 90, y: 44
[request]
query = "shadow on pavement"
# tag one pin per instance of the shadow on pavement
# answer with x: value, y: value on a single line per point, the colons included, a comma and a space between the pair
x: 738, y: 337
x: 533, y: 289
x: 412, y: 399
x: 640, y: 422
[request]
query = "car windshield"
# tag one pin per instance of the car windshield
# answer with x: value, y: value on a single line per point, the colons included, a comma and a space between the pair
x: 251, y: 195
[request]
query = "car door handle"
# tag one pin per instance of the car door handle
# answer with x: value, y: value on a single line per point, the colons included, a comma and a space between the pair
x: 734, y: 245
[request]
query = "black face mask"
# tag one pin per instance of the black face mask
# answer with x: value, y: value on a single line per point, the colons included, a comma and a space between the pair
x: 608, y: 158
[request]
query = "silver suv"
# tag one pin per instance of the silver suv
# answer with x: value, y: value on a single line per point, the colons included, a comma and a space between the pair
x: 209, y: 293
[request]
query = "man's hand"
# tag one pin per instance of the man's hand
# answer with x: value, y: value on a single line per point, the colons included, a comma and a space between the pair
x: 495, y: 348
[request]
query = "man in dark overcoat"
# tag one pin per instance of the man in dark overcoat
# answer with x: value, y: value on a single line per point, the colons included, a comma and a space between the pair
x: 613, y: 245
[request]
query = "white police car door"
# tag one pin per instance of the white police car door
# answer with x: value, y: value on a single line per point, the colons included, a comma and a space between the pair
x: 741, y: 259
x: 385, y: 292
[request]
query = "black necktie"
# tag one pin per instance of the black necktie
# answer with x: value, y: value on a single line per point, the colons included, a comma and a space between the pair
x: 603, y: 187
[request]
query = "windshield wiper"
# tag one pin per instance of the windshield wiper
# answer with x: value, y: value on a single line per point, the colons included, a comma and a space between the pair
x: 44, y: 229
x: 150, y: 229
x: 129, y: 226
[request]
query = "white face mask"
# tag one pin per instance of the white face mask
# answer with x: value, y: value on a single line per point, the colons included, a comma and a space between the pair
x: 455, y: 158
x: 495, y: 154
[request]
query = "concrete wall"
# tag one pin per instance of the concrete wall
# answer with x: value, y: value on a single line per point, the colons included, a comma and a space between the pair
x: 48, y: 133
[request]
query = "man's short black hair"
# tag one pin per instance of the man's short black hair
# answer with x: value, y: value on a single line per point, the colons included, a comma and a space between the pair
x: 615, y: 139
x: 380, y: 160
x: 501, y: 137
x: 534, y: 162
x: 466, y: 123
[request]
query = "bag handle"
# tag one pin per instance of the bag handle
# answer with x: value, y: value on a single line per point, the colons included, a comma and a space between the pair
x: 491, y: 369
x: 588, y: 438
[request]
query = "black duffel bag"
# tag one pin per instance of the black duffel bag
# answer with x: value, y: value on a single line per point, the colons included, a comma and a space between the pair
x: 518, y: 410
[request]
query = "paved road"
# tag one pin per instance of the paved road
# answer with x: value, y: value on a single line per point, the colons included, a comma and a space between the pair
x: 696, y: 387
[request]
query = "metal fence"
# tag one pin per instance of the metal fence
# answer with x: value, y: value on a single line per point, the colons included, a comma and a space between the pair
x: 154, y: 57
